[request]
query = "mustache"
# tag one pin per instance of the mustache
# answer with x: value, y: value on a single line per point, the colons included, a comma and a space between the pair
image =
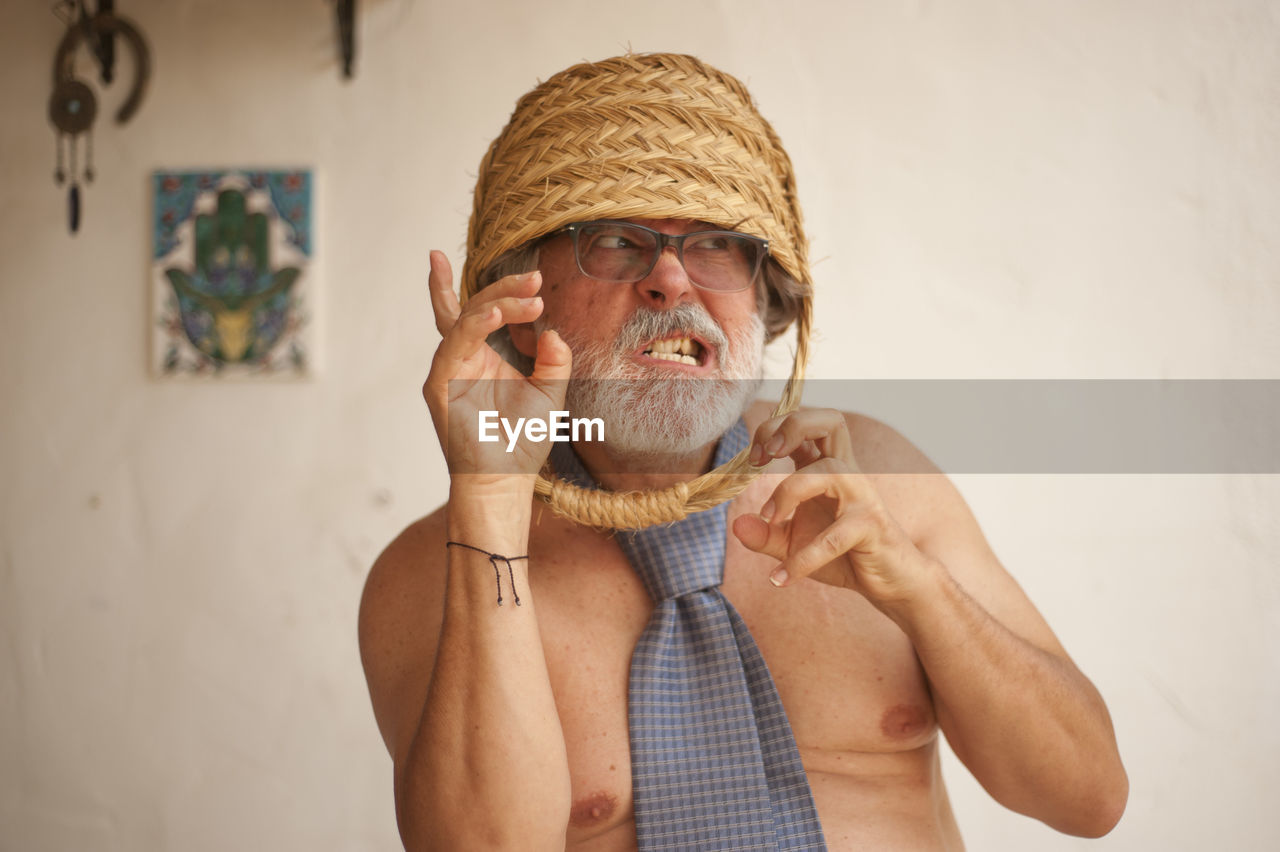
x: 647, y: 324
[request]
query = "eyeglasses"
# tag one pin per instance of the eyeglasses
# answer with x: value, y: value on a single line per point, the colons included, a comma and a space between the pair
x: 623, y: 253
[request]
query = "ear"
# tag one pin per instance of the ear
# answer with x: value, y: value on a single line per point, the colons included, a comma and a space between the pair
x: 524, y: 338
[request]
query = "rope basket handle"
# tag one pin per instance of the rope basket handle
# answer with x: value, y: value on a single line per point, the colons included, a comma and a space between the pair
x: 632, y: 510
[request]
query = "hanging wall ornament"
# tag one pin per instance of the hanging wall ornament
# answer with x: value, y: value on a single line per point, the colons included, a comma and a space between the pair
x: 73, y: 105
x: 346, y: 10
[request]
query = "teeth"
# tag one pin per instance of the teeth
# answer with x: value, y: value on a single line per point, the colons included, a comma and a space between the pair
x: 674, y: 356
x: 677, y: 346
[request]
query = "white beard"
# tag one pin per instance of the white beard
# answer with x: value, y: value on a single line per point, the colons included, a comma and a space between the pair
x: 647, y: 412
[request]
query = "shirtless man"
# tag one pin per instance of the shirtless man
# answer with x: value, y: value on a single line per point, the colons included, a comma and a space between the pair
x: 881, y: 611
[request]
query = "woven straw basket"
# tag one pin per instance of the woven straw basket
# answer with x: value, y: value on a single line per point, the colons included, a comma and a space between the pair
x: 659, y: 136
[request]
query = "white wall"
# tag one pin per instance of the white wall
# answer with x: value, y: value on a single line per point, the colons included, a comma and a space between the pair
x: 994, y: 189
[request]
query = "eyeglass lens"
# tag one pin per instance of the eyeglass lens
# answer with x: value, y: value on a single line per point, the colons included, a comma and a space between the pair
x: 716, y: 260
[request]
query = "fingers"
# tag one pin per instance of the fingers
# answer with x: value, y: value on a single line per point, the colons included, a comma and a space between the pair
x: 444, y: 303
x: 829, y: 478
x: 473, y: 327
x: 554, y: 361
x: 845, y: 534
x: 813, y: 519
x: 805, y: 436
x: 757, y: 534
x: 508, y: 301
x: 798, y: 559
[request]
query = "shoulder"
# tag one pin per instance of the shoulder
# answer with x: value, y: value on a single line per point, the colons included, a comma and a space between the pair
x: 407, y: 571
x: 882, y: 450
x: 400, y: 615
x: 932, y: 511
x: 919, y: 495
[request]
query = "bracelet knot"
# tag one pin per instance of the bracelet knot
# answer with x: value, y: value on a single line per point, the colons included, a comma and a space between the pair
x: 494, y: 559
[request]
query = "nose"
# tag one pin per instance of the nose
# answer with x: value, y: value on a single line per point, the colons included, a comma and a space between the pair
x: 667, y: 284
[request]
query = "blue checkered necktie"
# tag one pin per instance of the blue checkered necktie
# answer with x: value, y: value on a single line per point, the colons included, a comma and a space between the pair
x: 714, y: 765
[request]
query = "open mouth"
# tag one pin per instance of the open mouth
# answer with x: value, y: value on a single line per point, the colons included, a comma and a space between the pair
x: 681, y: 350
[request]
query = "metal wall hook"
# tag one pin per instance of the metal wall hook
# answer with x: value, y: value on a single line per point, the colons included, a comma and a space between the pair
x: 346, y: 15
x: 99, y: 30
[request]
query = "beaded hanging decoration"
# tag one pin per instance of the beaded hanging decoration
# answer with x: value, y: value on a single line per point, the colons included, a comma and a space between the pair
x: 73, y: 106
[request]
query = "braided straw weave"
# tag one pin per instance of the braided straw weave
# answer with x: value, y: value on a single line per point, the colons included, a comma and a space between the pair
x: 657, y: 136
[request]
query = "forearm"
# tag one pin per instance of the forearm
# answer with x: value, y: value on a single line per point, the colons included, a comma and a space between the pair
x: 488, y: 761
x: 1031, y: 728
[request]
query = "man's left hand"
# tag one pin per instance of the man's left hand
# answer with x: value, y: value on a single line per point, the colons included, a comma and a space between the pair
x: 826, y: 520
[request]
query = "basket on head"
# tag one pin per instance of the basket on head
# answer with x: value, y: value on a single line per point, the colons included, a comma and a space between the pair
x: 656, y: 136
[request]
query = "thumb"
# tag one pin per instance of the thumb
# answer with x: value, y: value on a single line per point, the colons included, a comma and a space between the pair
x: 755, y: 534
x: 554, y: 361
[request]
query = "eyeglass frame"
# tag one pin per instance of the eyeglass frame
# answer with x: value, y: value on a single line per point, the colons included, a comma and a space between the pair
x: 674, y: 240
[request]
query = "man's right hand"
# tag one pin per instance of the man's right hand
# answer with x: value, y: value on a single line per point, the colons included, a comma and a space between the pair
x: 467, y: 376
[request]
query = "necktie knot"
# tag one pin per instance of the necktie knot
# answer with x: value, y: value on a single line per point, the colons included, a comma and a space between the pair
x: 672, y: 559
x: 671, y: 566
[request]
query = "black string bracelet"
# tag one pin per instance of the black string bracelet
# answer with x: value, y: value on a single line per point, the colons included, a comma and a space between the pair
x: 494, y: 559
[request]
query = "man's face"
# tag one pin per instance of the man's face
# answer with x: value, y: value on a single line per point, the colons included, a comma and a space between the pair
x: 668, y: 366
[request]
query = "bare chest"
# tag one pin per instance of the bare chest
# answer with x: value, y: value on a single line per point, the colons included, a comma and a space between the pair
x: 847, y: 676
